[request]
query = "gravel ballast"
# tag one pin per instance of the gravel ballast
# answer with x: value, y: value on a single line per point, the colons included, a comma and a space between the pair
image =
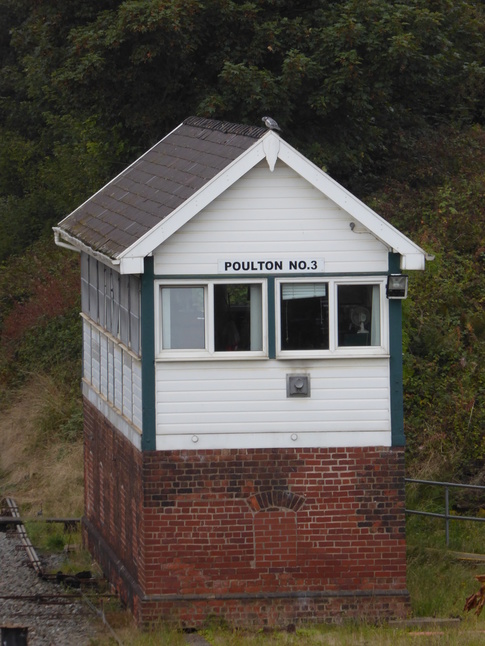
x: 48, y: 623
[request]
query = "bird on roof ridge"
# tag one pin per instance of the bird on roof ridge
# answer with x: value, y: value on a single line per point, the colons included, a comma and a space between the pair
x: 270, y: 123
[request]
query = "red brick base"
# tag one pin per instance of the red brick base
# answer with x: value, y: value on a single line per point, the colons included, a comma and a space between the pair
x: 253, y: 536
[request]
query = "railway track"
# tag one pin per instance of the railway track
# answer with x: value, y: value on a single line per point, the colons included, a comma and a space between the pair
x: 49, y: 609
x: 32, y: 601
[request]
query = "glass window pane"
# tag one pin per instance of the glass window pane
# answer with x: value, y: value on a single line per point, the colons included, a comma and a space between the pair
x: 183, y: 320
x: 358, y: 315
x: 238, y: 324
x: 304, y: 316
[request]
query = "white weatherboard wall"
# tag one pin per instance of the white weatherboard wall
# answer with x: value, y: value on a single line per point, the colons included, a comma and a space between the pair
x: 243, y: 403
x: 270, y: 215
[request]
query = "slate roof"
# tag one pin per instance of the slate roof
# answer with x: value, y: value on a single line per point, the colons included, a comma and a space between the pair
x: 157, y: 183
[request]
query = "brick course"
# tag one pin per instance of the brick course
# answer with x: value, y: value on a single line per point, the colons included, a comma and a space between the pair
x: 255, y: 536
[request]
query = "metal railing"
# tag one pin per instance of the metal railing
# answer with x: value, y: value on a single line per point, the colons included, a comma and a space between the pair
x: 447, y: 516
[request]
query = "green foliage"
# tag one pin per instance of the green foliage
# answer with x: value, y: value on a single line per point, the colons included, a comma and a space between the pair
x: 438, y: 580
x: 53, y: 537
x: 436, y: 197
x: 45, y: 536
x: 438, y: 583
x: 86, y: 85
x: 43, y: 179
x: 40, y: 327
x: 444, y: 381
x: 51, y: 159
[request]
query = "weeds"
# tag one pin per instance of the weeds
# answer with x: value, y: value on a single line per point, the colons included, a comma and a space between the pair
x: 470, y: 634
x: 59, y: 415
x: 122, y: 623
x: 43, y: 468
x: 54, y: 538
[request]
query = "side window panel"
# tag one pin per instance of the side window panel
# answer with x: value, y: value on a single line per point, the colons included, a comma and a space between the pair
x: 358, y: 315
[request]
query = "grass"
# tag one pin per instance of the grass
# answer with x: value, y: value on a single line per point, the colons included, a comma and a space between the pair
x: 439, y: 583
x: 51, y: 537
x: 470, y: 634
x: 41, y: 474
x: 439, y: 580
x: 129, y: 635
x: 348, y: 635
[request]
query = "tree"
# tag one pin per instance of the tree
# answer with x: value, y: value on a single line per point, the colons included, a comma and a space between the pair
x: 88, y: 85
x: 50, y: 159
x: 347, y: 80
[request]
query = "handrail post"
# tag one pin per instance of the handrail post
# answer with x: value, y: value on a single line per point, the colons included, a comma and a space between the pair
x: 447, y: 516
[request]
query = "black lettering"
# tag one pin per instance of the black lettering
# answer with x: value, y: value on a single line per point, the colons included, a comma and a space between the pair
x: 301, y: 264
x: 293, y: 264
x: 245, y: 265
x: 236, y: 266
x: 278, y: 265
x: 268, y: 265
x: 314, y: 264
x: 227, y: 265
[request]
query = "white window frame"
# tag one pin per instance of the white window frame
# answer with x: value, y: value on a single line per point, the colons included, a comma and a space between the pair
x: 209, y: 351
x: 334, y: 350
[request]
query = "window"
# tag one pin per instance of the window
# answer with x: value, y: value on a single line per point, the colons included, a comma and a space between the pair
x: 237, y: 317
x: 183, y: 319
x: 338, y: 316
x: 212, y: 317
x: 359, y: 321
x: 304, y: 316
x: 112, y: 301
x: 312, y: 318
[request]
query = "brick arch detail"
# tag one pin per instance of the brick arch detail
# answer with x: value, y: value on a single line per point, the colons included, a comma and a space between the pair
x: 276, y: 499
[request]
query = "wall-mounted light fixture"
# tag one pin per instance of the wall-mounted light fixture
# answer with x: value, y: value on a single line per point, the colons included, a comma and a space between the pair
x: 397, y: 286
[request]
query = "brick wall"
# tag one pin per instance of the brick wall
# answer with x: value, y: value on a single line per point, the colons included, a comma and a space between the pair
x: 113, y: 503
x: 256, y: 536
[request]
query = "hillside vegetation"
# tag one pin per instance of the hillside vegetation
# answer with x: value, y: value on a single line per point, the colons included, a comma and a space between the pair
x: 387, y: 96
x: 40, y: 371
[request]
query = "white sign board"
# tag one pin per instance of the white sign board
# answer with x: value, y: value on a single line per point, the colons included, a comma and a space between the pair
x: 275, y: 266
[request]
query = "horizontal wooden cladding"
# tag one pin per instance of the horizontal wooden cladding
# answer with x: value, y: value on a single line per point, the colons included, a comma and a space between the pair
x: 261, y: 224
x: 273, y: 214
x: 250, y: 397
x: 273, y: 440
x: 193, y: 261
x: 298, y: 242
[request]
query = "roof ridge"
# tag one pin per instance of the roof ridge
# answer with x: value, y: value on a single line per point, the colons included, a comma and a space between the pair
x: 256, y: 132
